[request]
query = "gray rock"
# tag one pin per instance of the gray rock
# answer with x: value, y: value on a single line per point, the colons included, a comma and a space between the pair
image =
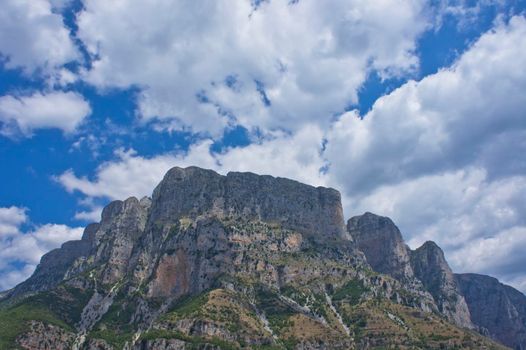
x: 381, y: 242
x: 201, y: 230
x: 196, y: 192
x: 122, y: 224
x: 431, y: 267
x: 45, y: 337
x: 54, y: 265
x: 499, y: 309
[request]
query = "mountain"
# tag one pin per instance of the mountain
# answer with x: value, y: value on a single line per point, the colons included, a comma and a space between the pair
x: 431, y: 267
x: 424, y: 268
x: 498, y: 309
x: 246, y: 261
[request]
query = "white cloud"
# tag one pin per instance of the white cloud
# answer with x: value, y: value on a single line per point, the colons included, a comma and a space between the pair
x: 133, y: 175
x: 11, y: 278
x: 10, y: 220
x: 428, y: 155
x: 23, y: 114
x: 310, y: 57
x: 480, y: 224
x: 26, y: 248
x: 295, y: 156
x: 501, y: 254
x: 457, y: 117
x: 33, y: 37
x: 452, y: 208
x: 30, y: 246
x: 91, y: 215
x: 443, y: 156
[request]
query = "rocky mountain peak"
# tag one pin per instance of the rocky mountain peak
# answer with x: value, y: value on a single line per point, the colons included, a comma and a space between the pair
x: 499, y: 310
x: 248, y: 261
x: 382, y: 243
x: 431, y: 268
x: 195, y: 192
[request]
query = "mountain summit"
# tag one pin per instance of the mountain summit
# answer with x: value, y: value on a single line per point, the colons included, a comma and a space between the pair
x: 253, y: 262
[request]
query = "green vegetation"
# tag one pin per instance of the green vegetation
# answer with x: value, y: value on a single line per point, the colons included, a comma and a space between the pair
x: 119, y: 313
x: 114, y: 327
x: 352, y: 292
x: 15, y: 321
x: 319, y: 305
x: 174, y: 231
x: 112, y: 337
x: 277, y: 311
x: 66, y: 302
x: 194, y: 341
x: 289, y: 343
x: 267, y: 347
x: 188, y: 305
x: 295, y: 294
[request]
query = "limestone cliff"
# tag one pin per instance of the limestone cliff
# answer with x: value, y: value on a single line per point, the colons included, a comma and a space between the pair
x: 382, y: 243
x: 431, y: 267
x: 194, y: 192
x: 231, y: 262
x: 497, y: 308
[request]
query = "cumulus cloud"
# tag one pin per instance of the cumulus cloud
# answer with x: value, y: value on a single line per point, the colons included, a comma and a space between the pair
x: 469, y: 113
x: 33, y: 37
x: 21, y: 250
x: 281, y: 65
x: 57, y: 109
x: 500, y: 254
x: 441, y: 156
x: 10, y: 220
x: 297, y: 156
x: 134, y: 175
x: 480, y: 224
x: 93, y: 214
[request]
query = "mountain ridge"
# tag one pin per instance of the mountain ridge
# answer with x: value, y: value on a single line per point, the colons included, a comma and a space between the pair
x: 162, y: 273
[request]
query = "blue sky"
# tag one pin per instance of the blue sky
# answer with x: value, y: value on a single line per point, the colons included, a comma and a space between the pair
x: 411, y: 109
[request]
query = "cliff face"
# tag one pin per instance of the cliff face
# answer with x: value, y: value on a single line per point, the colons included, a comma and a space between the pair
x: 236, y: 261
x: 430, y: 267
x: 499, y: 309
x: 381, y: 242
x: 54, y: 265
x: 194, y: 192
x: 424, y: 269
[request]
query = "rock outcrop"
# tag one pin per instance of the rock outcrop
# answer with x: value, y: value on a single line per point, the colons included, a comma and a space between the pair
x: 423, y: 269
x: 431, y: 267
x: 237, y: 261
x: 194, y: 192
x: 55, y: 264
x: 45, y: 336
x: 382, y: 243
x: 499, y: 309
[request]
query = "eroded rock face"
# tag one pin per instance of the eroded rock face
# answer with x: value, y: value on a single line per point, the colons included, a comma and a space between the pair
x: 257, y: 246
x: 381, y: 242
x: 122, y: 224
x: 498, y: 308
x: 45, y: 337
x: 425, y: 268
x: 430, y: 266
x: 193, y: 192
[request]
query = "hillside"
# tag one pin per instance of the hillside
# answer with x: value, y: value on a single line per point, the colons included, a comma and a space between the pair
x: 254, y: 262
